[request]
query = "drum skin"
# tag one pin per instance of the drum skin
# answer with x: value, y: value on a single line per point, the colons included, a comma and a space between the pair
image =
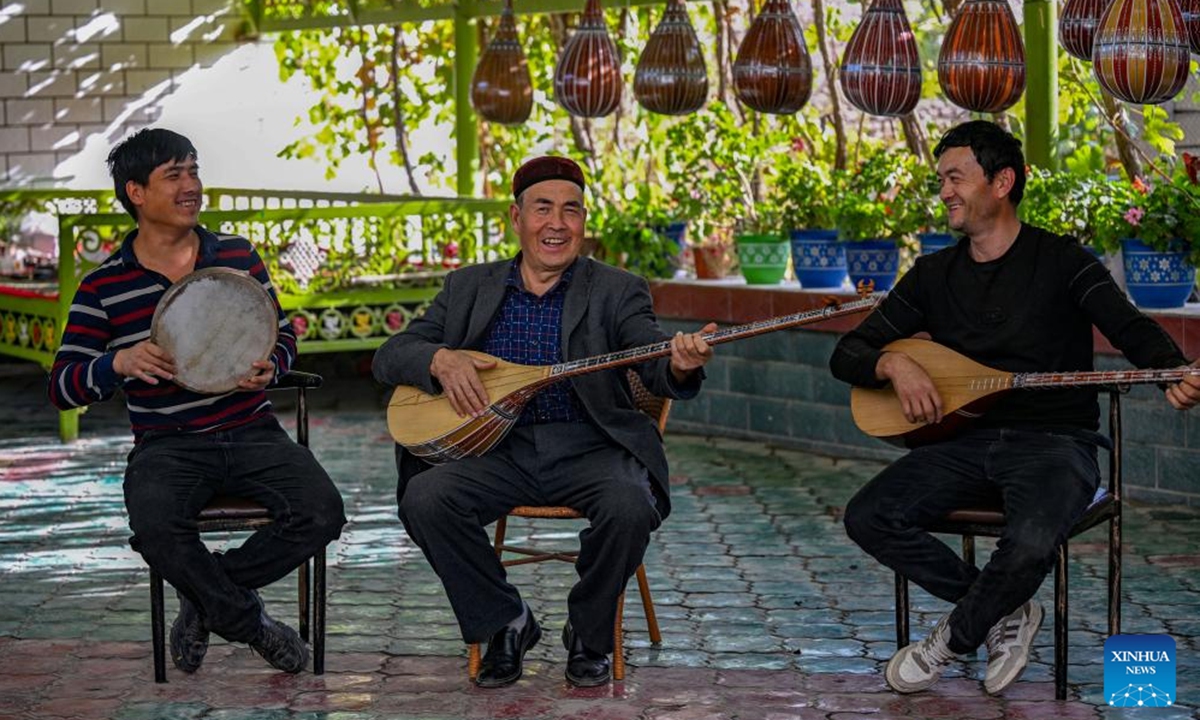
x: 216, y: 322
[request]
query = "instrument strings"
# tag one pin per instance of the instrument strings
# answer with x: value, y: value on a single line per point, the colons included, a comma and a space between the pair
x: 659, y: 349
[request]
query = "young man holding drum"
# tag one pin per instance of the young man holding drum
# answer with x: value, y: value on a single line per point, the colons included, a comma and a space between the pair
x: 190, y: 446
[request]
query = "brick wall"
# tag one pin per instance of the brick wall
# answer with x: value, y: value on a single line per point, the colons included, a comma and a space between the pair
x: 70, y: 69
x: 777, y: 388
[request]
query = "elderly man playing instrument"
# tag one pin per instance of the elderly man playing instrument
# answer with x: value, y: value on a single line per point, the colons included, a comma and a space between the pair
x: 1017, y: 298
x: 579, y: 443
x: 191, y: 446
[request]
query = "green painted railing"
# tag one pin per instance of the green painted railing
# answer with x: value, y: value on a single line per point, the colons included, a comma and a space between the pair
x: 350, y: 270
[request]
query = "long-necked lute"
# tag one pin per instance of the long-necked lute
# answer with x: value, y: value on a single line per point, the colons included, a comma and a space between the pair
x: 428, y: 427
x: 967, y: 387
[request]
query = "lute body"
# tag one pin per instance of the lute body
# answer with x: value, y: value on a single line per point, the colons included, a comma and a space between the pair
x: 967, y: 387
x: 429, y: 428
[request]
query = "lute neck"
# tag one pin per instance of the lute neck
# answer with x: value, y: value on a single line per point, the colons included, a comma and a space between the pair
x: 641, y: 354
x: 1101, y: 377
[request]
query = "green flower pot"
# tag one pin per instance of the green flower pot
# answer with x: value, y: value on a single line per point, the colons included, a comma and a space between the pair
x: 763, y: 258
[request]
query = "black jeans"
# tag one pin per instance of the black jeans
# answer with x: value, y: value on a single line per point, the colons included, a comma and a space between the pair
x: 446, y: 507
x: 1042, y: 480
x: 171, y: 477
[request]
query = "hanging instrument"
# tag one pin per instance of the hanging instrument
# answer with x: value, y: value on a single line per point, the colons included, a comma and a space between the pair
x: 967, y: 387
x: 429, y: 428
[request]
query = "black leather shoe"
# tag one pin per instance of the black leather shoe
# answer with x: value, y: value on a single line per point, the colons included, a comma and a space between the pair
x: 278, y: 643
x: 189, y: 637
x: 502, y: 663
x: 585, y: 668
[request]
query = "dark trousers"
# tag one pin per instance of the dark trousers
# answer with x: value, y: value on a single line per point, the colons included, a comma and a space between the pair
x: 446, y: 508
x: 169, y: 480
x: 1042, y: 480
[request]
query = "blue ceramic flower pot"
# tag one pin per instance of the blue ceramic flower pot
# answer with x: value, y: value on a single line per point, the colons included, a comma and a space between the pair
x: 932, y: 242
x: 818, y: 259
x: 1157, y: 279
x: 873, y: 262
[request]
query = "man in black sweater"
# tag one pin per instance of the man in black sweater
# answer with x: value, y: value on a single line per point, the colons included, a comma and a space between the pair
x: 1016, y: 298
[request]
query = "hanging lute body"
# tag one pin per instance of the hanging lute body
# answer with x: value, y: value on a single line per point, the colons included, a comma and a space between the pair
x: 429, y: 428
x: 967, y: 388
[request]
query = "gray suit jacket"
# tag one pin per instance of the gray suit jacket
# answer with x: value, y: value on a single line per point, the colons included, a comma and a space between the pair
x: 605, y: 310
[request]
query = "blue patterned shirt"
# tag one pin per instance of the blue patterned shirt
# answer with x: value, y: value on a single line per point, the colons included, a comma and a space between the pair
x: 528, y: 330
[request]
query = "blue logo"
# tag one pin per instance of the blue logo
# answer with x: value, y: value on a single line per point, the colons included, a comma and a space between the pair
x: 1139, y: 671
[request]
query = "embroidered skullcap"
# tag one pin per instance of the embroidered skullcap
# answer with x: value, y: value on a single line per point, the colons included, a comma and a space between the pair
x: 547, y: 167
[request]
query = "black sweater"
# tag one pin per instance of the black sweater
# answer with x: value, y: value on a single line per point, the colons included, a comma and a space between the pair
x: 1031, y: 310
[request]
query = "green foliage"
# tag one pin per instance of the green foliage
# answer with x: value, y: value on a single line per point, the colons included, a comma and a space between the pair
x: 806, y: 193
x: 359, y: 99
x: 875, y: 202
x: 630, y: 233
x: 924, y: 199
x: 1161, y: 213
x: 717, y: 166
x: 1071, y: 203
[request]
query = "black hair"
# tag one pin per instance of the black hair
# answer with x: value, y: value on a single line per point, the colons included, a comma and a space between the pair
x: 995, y: 149
x: 136, y: 157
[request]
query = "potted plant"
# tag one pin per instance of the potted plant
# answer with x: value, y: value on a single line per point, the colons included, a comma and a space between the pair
x: 874, y: 218
x: 636, y: 232
x: 716, y: 165
x: 806, y: 190
x: 925, y: 198
x: 762, y: 249
x: 1155, y: 225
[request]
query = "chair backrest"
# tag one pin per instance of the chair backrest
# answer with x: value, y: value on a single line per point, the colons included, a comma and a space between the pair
x: 653, y: 405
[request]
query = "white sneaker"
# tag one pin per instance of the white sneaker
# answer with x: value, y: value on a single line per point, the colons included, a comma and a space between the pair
x: 1008, y: 645
x: 918, y: 665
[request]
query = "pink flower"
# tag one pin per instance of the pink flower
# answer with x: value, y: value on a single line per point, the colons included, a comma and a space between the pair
x: 1133, y: 216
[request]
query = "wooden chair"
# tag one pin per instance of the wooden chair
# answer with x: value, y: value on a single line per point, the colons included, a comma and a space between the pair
x: 989, y: 522
x: 233, y: 514
x: 657, y: 408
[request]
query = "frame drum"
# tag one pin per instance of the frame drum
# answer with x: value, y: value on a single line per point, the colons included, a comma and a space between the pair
x: 215, y: 322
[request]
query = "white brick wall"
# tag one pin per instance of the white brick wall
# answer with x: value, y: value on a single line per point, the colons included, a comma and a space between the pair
x: 56, y: 92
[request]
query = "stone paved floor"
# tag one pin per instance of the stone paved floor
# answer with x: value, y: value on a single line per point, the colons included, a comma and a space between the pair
x: 767, y: 610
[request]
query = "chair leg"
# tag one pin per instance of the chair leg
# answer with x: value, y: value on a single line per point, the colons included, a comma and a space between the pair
x: 157, y: 626
x: 473, y: 660
x: 318, y: 611
x: 902, y: 637
x: 618, y: 665
x: 302, y: 599
x: 968, y: 549
x: 501, y: 528
x: 648, y: 606
x: 1114, y: 575
x: 1060, y: 624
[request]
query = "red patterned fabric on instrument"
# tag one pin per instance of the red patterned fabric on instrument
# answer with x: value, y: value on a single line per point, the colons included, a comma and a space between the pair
x: 1141, y: 51
x: 981, y: 66
x: 881, y: 69
x: 671, y: 78
x: 587, y: 79
x: 501, y: 90
x: 773, y: 70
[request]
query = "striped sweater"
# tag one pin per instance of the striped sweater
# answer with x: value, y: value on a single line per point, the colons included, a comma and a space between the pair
x: 112, y: 310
